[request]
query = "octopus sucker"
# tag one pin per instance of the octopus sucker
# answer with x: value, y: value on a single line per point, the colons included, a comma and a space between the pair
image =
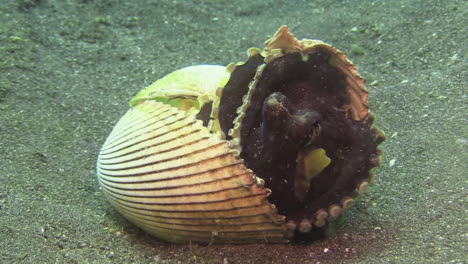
x: 293, y: 120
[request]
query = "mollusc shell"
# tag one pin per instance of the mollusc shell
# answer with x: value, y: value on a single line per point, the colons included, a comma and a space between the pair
x: 164, y: 171
x: 172, y: 165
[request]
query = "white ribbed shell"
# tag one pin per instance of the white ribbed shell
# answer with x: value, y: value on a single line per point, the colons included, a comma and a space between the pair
x: 181, y: 182
x: 164, y: 171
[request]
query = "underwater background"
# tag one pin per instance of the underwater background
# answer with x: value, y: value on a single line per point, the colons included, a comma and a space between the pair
x: 68, y: 69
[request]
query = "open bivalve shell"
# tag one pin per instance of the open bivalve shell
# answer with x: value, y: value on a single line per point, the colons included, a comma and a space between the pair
x: 264, y: 151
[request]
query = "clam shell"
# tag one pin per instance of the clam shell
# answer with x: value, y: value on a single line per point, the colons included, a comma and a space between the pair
x: 164, y: 171
x: 180, y: 163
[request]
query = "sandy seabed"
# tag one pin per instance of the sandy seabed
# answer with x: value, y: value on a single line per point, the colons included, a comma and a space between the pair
x: 68, y: 69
